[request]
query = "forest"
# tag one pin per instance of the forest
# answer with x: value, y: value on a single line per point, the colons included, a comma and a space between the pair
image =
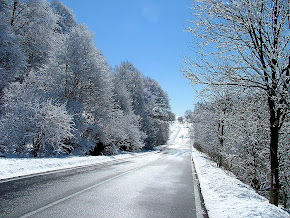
x: 241, y: 72
x: 58, y: 94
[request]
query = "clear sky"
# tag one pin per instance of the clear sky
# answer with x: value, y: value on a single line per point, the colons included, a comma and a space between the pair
x: 148, y: 33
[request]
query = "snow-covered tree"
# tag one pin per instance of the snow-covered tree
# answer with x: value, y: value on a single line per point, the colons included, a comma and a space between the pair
x: 180, y: 119
x: 86, y: 84
x: 59, y: 92
x: 158, y: 103
x: 284, y: 166
x: 245, y: 134
x: 158, y: 99
x: 65, y: 17
x: 130, y: 122
x: 132, y: 78
x: 80, y: 70
x: 205, y: 137
x: 245, y: 139
x: 148, y: 101
x: 231, y: 128
x: 133, y: 81
x: 249, y: 47
x: 12, y: 58
x: 35, y: 21
x: 33, y: 123
x: 189, y: 116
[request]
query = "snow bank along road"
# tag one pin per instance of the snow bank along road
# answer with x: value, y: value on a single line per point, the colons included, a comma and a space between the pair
x: 226, y: 196
x: 158, y: 184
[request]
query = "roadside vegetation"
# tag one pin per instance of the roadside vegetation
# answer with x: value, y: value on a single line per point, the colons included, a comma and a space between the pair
x: 59, y: 95
x: 241, y: 65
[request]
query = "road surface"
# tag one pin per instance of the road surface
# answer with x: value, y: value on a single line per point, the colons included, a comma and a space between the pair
x: 156, y: 184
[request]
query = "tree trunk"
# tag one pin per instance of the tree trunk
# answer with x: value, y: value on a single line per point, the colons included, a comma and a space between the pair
x: 36, y: 145
x: 274, y: 139
x: 221, y: 141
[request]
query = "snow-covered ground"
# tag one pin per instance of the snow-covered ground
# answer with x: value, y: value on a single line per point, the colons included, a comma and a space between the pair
x: 15, y: 167
x: 226, y: 196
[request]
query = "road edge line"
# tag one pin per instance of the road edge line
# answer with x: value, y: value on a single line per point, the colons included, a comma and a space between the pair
x: 84, y: 190
x: 117, y: 160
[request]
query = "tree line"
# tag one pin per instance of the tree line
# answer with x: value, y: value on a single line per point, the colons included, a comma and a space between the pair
x: 242, y: 65
x: 58, y: 94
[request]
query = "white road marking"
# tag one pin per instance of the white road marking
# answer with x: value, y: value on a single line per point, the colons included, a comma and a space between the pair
x: 82, y: 191
x: 121, y: 160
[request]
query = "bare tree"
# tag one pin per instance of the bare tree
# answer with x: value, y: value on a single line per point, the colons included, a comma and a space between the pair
x: 246, y: 43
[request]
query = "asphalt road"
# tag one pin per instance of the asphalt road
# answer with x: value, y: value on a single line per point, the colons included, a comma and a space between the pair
x: 152, y: 185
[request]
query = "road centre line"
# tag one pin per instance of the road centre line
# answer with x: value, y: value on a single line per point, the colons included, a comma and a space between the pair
x: 84, y: 190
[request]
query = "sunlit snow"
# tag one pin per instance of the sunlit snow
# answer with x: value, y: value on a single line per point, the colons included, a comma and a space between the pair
x: 224, y: 195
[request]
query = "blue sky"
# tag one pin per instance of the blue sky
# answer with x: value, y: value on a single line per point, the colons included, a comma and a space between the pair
x: 148, y: 33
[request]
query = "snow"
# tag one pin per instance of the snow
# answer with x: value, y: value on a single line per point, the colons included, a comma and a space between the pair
x: 15, y: 167
x: 226, y: 196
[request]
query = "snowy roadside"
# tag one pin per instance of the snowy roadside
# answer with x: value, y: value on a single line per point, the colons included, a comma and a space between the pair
x: 226, y: 196
x: 15, y: 167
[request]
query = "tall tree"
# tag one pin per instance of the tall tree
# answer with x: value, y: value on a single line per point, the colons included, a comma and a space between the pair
x: 240, y: 147
x: 133, y: 137
x: 149, y: 102
x: 86, y: 84
x: 132, y: 78
x: 158, y: 103
x: 32, y: 119
x: 246, y: 43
